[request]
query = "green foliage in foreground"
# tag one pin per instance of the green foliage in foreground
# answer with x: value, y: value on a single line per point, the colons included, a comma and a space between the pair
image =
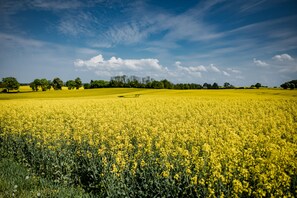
x: 17, y: 181
x: 65, y: 169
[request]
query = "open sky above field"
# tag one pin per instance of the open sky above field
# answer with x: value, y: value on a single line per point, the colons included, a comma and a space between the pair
x: 241, y: 42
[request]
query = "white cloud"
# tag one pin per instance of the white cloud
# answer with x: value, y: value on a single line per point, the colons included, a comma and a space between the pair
x: 127, y: 33
x: 283, y: 57
x: 251, y: 6
x: 286, y: 63
x: 177, y: 25
x: 115, y: 66
x: 178, y: 63
x: 234, y: 70
x: 13, y: 40
x: 289, y: 69
x: 191, y: 70
x: 88, y: 51
x: 199, y: 68
x: 147, y: 20
x: 56, y: 4
x: 81, y: 24
x: 214, y: 68
x: 260, y: 63
x: 226, y: 73
x: 99, y: 44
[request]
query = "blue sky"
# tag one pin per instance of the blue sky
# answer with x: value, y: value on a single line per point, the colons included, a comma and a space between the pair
x: 240, y: 42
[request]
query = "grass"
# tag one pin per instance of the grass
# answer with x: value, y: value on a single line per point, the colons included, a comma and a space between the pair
x: 17, y: 181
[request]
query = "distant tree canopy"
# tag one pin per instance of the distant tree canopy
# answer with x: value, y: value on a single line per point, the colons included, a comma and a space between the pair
x: 215, y: 86
x: 70, y: 84
x: 147, y: 82
x: 258, y: 85
x: 43, y: 83
x: 187, y: 86
x: 99, y: 84
x: 206, y: 86
x: 157, y: 85
x: 290, y: 84
x: 35, y: 84
x: 228, y: 85
x: 10, y: 83
x: 78, y: 83
x: 167, y: 84
x: 57, y: 84
x: 136, y: 82
x: 87, y: 86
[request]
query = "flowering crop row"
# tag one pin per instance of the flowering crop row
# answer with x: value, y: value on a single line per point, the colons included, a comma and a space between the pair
x: 175, y: 145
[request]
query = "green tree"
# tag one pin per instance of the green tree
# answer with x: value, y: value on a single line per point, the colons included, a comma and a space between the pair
x: 57, y: 84
x: 1, y: 85
x: 228, y: 85
x: 78, y: 83
x: 195, y: 86
x: 215, y: 86
x: 148, y: 85
x: 207, y: 86
x: 10, y: 83
x: 167, y: 84
x: 70, y: 84
x: 49, y: 84
x: 288, y: 84
x: 35, y: 84
x: 99, y: 84
x: 87, y: 86
x: 133, y: 83
x: 285, y: 85
x: 258, y: 85
x: 157, y: 85
x: 44, y: 84
x: 186, y: 86
x: 32, y: 86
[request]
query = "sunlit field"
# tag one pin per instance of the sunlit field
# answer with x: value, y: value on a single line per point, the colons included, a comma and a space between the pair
x: 155, y: 143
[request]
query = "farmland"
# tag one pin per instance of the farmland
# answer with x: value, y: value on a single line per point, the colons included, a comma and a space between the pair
x: 176, y: 143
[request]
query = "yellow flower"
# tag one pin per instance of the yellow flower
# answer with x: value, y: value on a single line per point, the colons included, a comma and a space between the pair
x: 165, y: 174
x: 237, y: 186
x: 194, y: 180
x: 176, y: 176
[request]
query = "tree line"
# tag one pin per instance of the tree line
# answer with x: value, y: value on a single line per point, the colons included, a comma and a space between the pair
x: 56, y: 84
x: 162, y: 84
x: 290, y: 84
x: 11, y: 83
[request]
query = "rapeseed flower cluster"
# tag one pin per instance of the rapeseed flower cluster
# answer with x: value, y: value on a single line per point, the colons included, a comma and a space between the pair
x: 158, y: 145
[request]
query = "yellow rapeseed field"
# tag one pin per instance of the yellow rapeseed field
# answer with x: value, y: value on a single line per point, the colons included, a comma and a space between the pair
x: 194, y: 143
